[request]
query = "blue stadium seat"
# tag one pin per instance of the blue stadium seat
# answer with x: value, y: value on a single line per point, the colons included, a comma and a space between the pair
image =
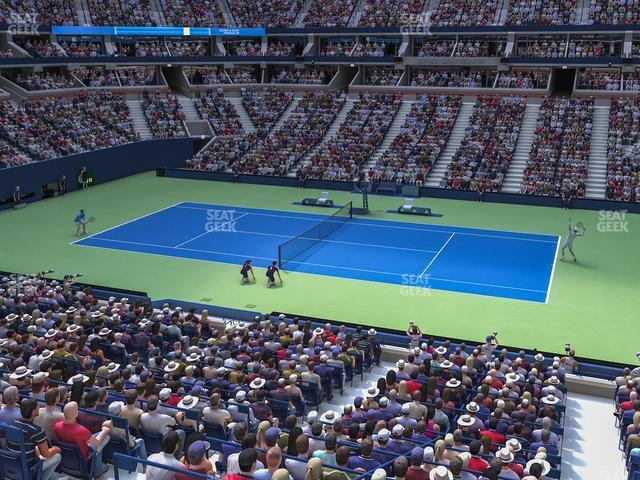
x: 73, y: 463
x: 13, y: 465
x: 120, y: 445
x: 152, y: 441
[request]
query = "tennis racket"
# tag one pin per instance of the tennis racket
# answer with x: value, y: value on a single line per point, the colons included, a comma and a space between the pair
x: 91, y: 219
x: 581, y: 228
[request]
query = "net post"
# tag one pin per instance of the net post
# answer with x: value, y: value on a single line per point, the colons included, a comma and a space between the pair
x: 280, y: 257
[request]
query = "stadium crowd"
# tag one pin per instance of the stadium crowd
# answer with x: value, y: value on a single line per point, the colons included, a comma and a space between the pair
x: 482, y: 160
x: 542, y: 49
x: 46, y: 81
x: 219, y: 112
x: 357, y: 138
x: 265, y: 107
x: 47, y: 128
x: 391, y: 13
x: 164, y: 115
x: 559, y: 157
x: 192, y: 13
x: 242, y: 74
x: 94, y: 77
x: 121, y: 12
x: 81, y: 48
x: 312, y: 76
x: 339, y: 48
x: 329, y: 13
x: 590, y: 79
x: 623, y: 165
x: 207, y: 75
x: 265, y: 13
x: 441, y: 48
x: 462, y: 13
x: 549, y: 12
x: 386, y: 76
x: 93, y: 374
x: 422, y: 137
x: 523, y: 79
x: 460, y: 79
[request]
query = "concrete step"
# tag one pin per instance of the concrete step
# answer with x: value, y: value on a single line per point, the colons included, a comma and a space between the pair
x: 392, y: 132
x: 188, y: 107
x: 139, y: 120
x: 285, y: 115
x: 332, y: 130
x: 245, y: 119
x: 597, y: 173
x: 299, y: 21
x: 513, y: 179
x: 454, y: 141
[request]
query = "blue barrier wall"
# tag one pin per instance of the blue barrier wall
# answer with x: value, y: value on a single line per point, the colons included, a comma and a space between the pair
x: 491, y: 197
x: 106, y: 165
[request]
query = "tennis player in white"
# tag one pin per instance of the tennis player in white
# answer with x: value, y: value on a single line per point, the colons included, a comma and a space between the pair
x: 568, y: 241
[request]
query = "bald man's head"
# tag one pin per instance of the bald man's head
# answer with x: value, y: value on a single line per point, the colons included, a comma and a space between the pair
x: 274, y: 457
x: 70, y: 412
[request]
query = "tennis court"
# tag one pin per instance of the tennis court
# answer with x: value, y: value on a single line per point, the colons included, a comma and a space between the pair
x: 412, y: 255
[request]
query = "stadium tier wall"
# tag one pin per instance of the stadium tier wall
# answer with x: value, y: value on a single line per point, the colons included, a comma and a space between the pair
x: 104, y: 165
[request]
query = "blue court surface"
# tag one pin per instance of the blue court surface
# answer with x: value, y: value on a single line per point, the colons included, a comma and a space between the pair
x: 414, y: 256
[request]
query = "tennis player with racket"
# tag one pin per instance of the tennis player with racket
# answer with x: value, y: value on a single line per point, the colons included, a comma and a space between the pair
x: 81, y: 223
x: 577, y: 231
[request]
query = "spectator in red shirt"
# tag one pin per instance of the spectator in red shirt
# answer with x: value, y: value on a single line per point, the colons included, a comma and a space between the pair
x: 70, y: 431
x: 476, y: 462
x: 415, y: 470
x: 495, y: 437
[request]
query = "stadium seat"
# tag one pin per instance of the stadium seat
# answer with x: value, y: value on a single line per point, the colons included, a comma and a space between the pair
x: 13, y: 465
x: 73, y: 463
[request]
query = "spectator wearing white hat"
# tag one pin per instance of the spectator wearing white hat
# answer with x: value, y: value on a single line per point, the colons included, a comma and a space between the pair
x: 396, y: 444
x: 506, y: 458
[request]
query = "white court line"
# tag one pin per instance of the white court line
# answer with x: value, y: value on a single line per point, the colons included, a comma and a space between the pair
x: 364, y: 223
x: 126, y: 223
x: 299, y: 263
x: 209, y: 231
x: 436, y: 256
x: 553, y: 270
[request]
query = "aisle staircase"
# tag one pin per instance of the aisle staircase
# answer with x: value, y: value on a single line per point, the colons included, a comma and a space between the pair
x: 331, y: 131
x: 139, y: 120
x: 597, y: 174
x: 245, y: 119
x: 513, y: 179
x: 392, y: 133
x: 195, y: 125
x: 456, y: 137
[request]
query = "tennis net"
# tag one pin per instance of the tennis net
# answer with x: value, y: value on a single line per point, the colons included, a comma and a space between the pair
x: 293, y: 248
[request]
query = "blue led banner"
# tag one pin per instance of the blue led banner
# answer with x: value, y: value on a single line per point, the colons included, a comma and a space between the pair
x: 159, y: 31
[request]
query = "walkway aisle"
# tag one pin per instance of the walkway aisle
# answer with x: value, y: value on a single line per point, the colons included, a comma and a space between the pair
x: 590, y: 450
